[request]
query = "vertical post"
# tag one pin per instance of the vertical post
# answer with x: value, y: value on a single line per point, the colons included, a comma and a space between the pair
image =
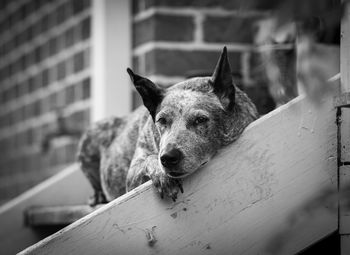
x: 344, y: 148
x: 111, y: 55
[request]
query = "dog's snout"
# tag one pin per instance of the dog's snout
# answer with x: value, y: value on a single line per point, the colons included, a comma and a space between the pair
x: 171, y: 158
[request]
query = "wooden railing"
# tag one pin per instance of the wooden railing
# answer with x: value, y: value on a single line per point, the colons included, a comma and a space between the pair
x: 264, y: 194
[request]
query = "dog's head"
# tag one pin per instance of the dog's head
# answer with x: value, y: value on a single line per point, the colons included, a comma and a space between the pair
x: 194, y: 118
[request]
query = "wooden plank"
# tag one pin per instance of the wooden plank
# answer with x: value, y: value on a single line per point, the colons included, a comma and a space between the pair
x: 344, y: 173
x: 69, y: 187
x: 342, y: 100
x: 345, y: 52
x: 344, y: 211
x: 269, y: 193
x: 56, y: 215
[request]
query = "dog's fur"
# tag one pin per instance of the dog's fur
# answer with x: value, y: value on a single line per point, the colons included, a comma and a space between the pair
x: 177, y: 132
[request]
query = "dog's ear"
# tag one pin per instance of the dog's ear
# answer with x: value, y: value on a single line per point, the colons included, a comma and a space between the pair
x: 151, y: 94
x: 222, y: 81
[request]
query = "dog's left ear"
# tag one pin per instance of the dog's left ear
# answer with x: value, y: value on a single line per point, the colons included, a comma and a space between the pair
x: 222, y: 81
x: 151, y: 94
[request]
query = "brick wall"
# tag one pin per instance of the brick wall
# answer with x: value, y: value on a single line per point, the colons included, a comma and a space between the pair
x: 173, y: 40
x: 44, y: 66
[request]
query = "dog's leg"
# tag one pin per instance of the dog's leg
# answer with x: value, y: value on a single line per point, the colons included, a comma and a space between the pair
x: 96, y: 138
x: 113, y: 174
x: 90, y: 165
x: 145, y: 167
x: 89, y: 169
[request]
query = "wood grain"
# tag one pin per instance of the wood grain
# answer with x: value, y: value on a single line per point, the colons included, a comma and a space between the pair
x: 266, y: 194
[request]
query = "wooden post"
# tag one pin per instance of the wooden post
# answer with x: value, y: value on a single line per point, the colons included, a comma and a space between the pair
x: 344, y: 146
x: 111, y: 55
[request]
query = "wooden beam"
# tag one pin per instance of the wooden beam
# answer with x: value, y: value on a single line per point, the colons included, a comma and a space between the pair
x: 268, y: 193
x: 56, y: 215
x: 69, y: 187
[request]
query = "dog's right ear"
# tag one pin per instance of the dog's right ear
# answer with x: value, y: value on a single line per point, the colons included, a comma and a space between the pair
x: 222, y: 81
x: 151, y: 94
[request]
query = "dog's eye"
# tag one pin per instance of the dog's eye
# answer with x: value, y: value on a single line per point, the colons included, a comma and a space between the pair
x: 162, y: 121
x: 200, y: 120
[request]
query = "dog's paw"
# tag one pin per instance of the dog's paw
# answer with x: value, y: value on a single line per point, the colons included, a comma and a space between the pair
x: 167, y: 186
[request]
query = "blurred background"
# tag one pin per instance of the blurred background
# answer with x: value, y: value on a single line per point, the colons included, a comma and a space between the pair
x: 62, y: 64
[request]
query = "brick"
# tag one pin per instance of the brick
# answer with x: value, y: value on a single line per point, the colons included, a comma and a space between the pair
x: 45, y: 78
x: 141, y: 5
x: 86, y: 28
x: 30, y: 33
x: 79, y: 61
x: 70, y: 65
x: 17, y: 65
x: 45, y: 23
x: 44, y: 50
x: 181, y: 63
x: 38, y: 4
x: 30, y: 58
x: 69, y: 37
x: 29, y: 7
x: 53, y: 48
x: 79, y: 6
x: 86, y: 88
x: 53, y: 101
x: 229, y: 29
x: 38, y: 81
x: 52, y: 74
x: 38, y: 56
x: 37, y: 108
x: 61, y: 42
x: 61, y: 70
x: 45, y: 105
x: 37, y: 28
x: 87, y: 56
x: 52, y: 19
x: 31, y: 85
x: 161, y: 27
x: 61, y: 14
x: 69, y: 94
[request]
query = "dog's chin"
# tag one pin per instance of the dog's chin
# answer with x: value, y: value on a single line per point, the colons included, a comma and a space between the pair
x: 177, y: 175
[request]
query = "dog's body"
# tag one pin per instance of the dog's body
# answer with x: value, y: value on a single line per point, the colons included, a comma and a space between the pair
x: 178, y: 131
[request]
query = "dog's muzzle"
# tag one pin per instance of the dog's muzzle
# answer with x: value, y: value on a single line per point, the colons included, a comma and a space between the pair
x: 171, y: 158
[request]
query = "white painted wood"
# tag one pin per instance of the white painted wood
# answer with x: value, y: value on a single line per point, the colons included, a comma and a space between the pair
x: 344, y: 212
x: 111, y: 55
x: 344, y: 171
x: 265, y: 194
x: 345, y: 244
x: 68, y: 187
x: 345, y: 52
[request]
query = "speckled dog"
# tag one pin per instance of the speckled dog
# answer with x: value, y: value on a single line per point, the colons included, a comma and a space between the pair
x: 177, y: 132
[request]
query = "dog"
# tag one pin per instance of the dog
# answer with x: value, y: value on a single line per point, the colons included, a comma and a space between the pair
x: 177, y: 131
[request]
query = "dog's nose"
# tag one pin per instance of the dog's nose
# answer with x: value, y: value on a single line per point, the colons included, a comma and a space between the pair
x: 171, y: 158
